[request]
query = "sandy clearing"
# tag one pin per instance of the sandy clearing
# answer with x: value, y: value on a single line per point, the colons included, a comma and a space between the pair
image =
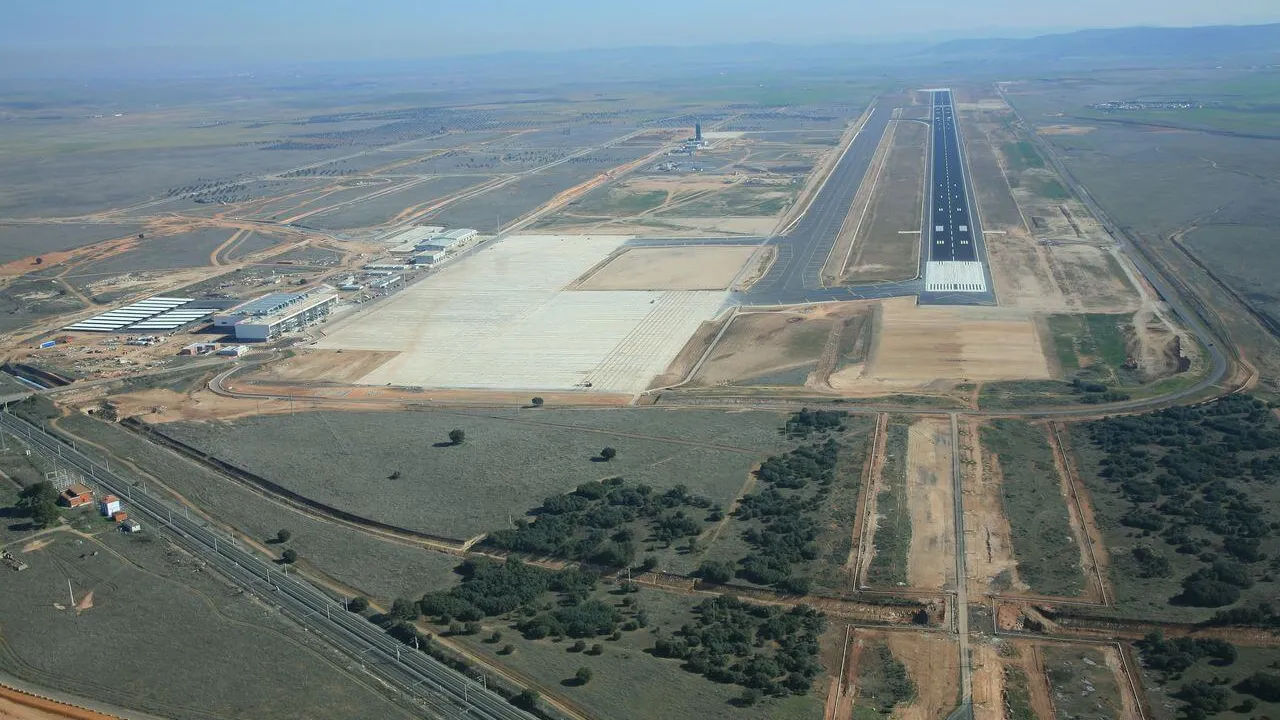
x: 1063, y: 129
x: 988, y: 683
x: 921, y: 344
x: 931, y: 559
x: 707, y: 267
x: 989, y: 544
x: 931, y: 662
x: 16, y: 705
x: 325, y: 366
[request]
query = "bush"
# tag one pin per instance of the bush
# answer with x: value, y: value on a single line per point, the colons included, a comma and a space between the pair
x: 289, y: 556
x: 537, y: 402
x: 358, y: 604
x: 404, y: 609
x: 282, y: 536
x: 456, y: 436
x: 526, y: 700
x: 608, y: 454
x: 1262, y: 685
x: 583, y: 675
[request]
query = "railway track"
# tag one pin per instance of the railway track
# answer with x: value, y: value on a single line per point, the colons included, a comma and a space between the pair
x: 436, y: 688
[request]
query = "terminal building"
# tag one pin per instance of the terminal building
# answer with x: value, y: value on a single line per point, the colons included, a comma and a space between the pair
x: 270, y: 316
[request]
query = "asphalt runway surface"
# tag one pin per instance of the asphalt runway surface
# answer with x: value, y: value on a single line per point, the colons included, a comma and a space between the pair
x: 951, y: 226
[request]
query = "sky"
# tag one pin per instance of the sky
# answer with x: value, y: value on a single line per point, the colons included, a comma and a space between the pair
x: 337, y: 29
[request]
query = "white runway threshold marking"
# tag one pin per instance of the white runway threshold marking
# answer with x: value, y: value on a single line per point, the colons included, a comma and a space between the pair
x: 500, y: 318
x: 952, y: 276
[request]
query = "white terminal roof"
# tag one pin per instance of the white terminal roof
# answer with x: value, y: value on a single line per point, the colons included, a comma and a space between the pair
x: 414, y: 234
x: 140, y: 316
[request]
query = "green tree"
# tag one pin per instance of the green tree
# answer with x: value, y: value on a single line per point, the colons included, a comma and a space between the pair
x: 608, y: 454
x: 282, y: 536
x: 507, y: 649
x: 358, y: 605
x: 526, y: 700
x: 457, y: 435
x: 537, y: 402
x: 583, y: 676
x: 404, y: 609
x: 289, y: 556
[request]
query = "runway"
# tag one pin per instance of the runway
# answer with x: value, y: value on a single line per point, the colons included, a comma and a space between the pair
x: 951, y: 239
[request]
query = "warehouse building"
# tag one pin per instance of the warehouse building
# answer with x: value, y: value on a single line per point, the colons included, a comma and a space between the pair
x: 449, y: 241
x: 270, y: 316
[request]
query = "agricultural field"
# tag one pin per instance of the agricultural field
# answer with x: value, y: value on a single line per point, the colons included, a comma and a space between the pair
x: 1045, y: 546
x: 376, y: 568
x: 1185, y: 506
x: 122, y: 584
x: 505, y: 466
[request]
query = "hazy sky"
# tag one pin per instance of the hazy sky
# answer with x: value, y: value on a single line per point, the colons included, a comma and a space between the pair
x: 417, y: 28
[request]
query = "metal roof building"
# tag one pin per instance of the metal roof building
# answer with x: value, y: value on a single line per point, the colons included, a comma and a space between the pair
x: 154, y: 313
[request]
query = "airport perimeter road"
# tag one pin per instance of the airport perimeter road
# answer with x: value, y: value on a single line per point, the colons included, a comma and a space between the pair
x: 803, y: 251
x: 441, y: 691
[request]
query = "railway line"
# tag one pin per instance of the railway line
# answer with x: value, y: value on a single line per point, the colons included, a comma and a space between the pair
x: 436, y: 688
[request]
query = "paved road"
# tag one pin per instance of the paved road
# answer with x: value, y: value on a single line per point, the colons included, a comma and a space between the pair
x: 444, y: 692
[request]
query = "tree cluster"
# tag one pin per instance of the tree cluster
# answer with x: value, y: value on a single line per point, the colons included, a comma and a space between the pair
x: 770, y: 649
x: 603, y: 522
x: 39, y: 502
x: 1185, y: 474
x: 808, y: 421
x: 1263, y: 685
x: 786, y: 528
x: 491, y: 588
x: 1175, y: 656
x: 1262, y: 615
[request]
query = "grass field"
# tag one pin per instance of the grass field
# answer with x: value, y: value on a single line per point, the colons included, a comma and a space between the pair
x: 1160, y: 690
x: 1081, y: 683
x: 221, y: 654
x: 629, y: 681
x: 882, y: 250
x: 1043, y: 544
x: 893, y: 522
x: 1095, y: 342
x: 506, y: 466
x: 374, y: 567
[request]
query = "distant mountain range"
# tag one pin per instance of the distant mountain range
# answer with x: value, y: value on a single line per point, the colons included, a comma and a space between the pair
x: 1151, y: 43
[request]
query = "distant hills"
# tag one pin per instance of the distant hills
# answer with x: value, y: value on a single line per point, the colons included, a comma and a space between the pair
x: 1157, y: 44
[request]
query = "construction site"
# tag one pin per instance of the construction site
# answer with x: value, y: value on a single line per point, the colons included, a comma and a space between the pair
x: 739, y: 324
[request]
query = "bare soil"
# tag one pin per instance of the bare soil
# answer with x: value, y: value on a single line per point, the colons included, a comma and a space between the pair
x: 931, y: 662
x: 916, y: 345
x: 931, y: 559
x: 707, y: 267
x: 988, y: 546
x: 326, y: 366
x: 760, y: 344
x: 690, y: 354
